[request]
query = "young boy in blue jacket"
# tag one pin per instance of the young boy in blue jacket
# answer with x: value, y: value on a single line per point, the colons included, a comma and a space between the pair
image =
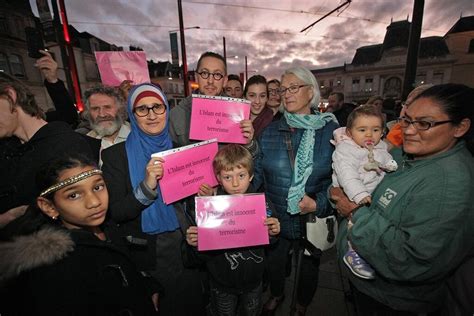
x: 235, y: 274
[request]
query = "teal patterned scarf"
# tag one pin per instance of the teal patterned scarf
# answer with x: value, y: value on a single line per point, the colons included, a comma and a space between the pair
x: 304, y: 157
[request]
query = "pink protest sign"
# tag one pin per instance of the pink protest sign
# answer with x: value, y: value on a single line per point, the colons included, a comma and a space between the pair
x: 185, y: 169
x: 231, y: 221
x: 115, y: 67
x: 218, y: 117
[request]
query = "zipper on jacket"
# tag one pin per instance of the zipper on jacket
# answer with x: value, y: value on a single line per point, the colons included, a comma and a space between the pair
x: 122, y: 274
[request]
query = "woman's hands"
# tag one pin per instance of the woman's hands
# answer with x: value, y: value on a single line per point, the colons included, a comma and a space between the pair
x: 154, y: 172
x: 273, y: 225
x: 155, y: 299
x: 192, y: 236
x: 307, y: 205
x: 344, y: 206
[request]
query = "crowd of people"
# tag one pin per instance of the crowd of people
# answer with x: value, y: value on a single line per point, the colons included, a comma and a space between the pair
x: 84, y: 229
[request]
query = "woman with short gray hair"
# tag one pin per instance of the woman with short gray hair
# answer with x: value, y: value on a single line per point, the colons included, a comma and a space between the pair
x: 294, y: 166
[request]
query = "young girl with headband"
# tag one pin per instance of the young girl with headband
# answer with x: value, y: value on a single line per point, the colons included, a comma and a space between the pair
x: 69, y: 265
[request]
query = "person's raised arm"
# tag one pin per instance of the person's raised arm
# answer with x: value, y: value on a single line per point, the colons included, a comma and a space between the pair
x: 65, y: 109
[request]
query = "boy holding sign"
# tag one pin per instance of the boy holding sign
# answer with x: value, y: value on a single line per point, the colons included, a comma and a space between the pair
x: 235, y: 274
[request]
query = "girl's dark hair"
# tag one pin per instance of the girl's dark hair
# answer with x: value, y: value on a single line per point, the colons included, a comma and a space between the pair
x: 457, y: 101
x: 364, y: 110
x: 47, y: 175
x: 257, y: 79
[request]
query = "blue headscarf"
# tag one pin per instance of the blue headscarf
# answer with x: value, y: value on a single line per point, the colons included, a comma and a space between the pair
x: 157, y: 217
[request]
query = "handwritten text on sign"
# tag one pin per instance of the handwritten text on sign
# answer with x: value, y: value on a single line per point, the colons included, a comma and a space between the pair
x: 231, y: 221
x: 185, y: 169
x: 218, y: 117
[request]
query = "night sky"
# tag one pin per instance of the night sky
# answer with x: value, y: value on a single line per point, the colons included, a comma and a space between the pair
x: 268, y: 32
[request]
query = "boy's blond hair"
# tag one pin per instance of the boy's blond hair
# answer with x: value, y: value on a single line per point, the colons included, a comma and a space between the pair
x: 232, y: 156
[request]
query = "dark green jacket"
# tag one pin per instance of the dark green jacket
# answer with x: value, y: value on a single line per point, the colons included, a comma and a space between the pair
x: 417, y: 230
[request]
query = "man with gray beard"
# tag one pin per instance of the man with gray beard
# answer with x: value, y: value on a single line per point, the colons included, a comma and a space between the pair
x: 105, y: 111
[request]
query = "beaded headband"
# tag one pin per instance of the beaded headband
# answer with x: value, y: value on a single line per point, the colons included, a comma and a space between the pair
x: 69, y: 181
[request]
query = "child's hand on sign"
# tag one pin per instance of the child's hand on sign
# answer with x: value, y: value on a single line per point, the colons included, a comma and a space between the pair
x: 206, y: 190
x: 273, y: 226
x: 192, y: 236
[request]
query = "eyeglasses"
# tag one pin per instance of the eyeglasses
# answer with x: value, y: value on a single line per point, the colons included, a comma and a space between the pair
x: 291, y: 89
x: 273, y: 91
x: 420, y: 125
x: 144, y: 110
x: 216, y: 75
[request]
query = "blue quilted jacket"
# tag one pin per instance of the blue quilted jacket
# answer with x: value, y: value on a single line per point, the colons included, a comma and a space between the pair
x: 273, y: 170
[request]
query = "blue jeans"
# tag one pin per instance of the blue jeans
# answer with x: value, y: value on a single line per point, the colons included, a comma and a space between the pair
x: 248, y: 303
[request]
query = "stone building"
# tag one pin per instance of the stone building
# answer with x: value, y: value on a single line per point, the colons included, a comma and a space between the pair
x: 379, y: 69
x: 15, y: 15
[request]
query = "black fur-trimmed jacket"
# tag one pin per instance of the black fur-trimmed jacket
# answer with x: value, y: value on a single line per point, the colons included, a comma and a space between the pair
x: 69, y: 272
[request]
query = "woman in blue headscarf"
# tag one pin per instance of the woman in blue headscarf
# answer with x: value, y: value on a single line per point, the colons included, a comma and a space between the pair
x: 151, y: 228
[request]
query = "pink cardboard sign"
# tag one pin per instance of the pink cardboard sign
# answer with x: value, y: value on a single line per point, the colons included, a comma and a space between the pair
x: 231, y: 221
x: 186, y: 168
x: 115, y: 67
x: 218, y: 117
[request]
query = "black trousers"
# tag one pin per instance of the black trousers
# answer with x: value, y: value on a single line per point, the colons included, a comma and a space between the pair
x: 277, y: 258
x: 183, y: 287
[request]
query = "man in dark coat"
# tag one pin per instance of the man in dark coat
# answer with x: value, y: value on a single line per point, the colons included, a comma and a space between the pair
x: 37, y: 141
x: 340, y: 109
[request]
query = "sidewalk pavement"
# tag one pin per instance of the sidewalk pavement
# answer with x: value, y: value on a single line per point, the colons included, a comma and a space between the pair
x: 329, y: 299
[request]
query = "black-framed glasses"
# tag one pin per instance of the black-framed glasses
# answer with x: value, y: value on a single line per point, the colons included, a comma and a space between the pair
x: 144, y: 110
x: 216, y: 75
x: 292, y: 89
x: 420, y: 125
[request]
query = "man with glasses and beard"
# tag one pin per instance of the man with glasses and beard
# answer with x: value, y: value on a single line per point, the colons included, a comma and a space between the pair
x: 105, y: 112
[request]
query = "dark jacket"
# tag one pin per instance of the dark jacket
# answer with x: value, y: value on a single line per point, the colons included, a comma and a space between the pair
x: 159, y: 254
x: 274, y: 170
x: 63, y: 104
x: 70, y: 272
x: 343, y: 113
x: 125, y: 209
x: 417, y: 230
x: 235, y: 270
x: 22, y: 161
x: 262, y: 121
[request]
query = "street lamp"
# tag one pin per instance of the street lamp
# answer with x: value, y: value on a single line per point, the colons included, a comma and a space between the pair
x: 174, y: 44
x: 183, y: 49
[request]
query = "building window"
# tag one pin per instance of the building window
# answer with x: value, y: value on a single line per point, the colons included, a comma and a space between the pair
x: 331, y: 83
x: 3, y: 25
x: 393, y: 87
x: 339, y: 81
x: 438, y: 77
x: 19, y: 28
x: 368, y: 84
x: 471, y: 47
x: 4, y: 63
x: 17, y: 65
x: 321, y: 84
x: 355, y: 85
